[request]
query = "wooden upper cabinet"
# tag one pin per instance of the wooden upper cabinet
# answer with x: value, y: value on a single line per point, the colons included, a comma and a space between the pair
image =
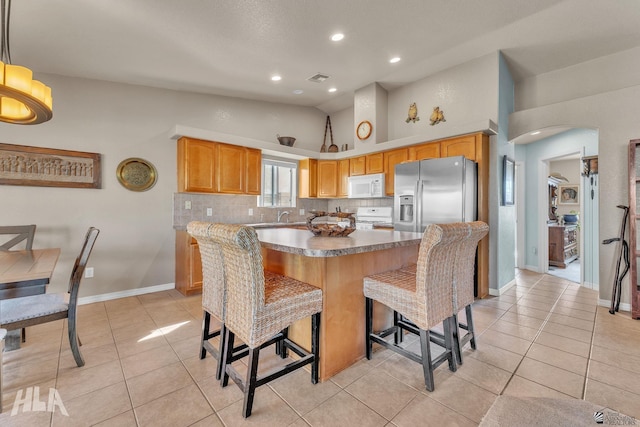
x: 254, y: 172
x: 391, y: 159
x: 343, y: 177
x: 231, y: 169
x: 307, y: 178
x: 375, y: 163
x: 468, y: 146
x: 425, y: 151
x: 327, y: 178
x: 196, y: 165
x: 214, y: 167
x: 357, y: 166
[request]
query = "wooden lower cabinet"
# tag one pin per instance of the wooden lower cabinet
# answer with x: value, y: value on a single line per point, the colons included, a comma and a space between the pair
x: 563, y: 244
x: 188, y: 264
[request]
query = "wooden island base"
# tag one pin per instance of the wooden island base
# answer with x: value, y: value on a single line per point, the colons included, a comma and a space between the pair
x: 342, y: 330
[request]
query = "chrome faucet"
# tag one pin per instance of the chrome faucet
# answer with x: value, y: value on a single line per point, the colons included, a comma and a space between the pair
x: 281, y: 214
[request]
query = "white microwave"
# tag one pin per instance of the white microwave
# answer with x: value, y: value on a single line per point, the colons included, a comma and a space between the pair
x: 366, y: 186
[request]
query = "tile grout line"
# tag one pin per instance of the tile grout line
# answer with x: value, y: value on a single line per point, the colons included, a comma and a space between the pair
x: 586, y: 374
x: 544, y: 322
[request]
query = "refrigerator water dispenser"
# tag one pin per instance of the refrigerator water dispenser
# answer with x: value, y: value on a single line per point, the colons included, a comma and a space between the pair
x: 406, y: 208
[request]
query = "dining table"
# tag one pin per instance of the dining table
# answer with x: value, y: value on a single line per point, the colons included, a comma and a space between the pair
x: 24, y: 273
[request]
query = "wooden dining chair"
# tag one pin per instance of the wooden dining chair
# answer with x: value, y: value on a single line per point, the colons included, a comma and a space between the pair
x: 20, y: 232
x: 33, y: 310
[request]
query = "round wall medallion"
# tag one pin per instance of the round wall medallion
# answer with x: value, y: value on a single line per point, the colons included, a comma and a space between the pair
x: 136, y: 174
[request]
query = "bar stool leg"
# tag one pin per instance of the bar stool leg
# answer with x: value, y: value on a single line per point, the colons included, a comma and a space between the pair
x: 398, y: 336
x: 470, y: 327
x: 206, y: 322
x: 315, y: 347
x: 250, y: 382
x: 368, y: 325
x: 457, y: 345
x: 427, y: 367
x: 227, y: 355
x: 3, y: 333
x: 449, y: 344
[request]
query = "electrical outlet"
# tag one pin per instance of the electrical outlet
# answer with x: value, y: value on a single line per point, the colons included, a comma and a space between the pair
x: 209, y: 211
x: 88, y: 272
x: 301, y: 211
x: 250, y: 212
x: 187, y: 204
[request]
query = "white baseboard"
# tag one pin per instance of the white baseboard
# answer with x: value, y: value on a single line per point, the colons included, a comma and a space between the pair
x: 124, y: 294
x: 607, y: 303
x: 533, y: 268
x: 502, y: 290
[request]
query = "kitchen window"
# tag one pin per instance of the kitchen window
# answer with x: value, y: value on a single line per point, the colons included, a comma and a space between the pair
x: 278, y: 183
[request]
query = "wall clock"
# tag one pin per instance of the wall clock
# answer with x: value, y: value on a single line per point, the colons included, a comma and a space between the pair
x: 363, y: 131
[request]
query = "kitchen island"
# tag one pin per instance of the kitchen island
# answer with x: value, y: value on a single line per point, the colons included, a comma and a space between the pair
x: 337, y: 265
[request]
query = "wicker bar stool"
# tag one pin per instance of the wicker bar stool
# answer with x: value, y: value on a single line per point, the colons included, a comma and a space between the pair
x: 424, y: 298
x: 213, y: 290
x: 260, y: 306
x: 464, y: 284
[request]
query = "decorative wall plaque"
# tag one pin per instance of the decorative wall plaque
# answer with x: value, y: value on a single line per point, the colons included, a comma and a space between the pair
x: 136, y: 174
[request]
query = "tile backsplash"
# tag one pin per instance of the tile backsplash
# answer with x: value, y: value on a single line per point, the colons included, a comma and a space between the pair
x: 234, y: 209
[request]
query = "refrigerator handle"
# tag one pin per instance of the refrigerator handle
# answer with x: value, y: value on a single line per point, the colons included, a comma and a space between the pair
x: 417, y: 202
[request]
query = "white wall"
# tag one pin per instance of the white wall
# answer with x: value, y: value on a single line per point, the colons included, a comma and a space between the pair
x: 614, y: 114
x: 466, y: 93
x: 136, y: 245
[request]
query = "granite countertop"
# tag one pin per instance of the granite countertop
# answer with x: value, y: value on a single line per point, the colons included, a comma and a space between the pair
x: 303, y: 242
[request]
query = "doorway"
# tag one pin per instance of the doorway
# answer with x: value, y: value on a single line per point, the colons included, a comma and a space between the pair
x: 565, y: 188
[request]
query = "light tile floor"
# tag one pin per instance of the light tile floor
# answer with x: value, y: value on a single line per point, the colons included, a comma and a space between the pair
x: 543, y: 337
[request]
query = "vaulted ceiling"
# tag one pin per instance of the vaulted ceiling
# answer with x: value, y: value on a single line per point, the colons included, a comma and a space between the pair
x: 234, y: 47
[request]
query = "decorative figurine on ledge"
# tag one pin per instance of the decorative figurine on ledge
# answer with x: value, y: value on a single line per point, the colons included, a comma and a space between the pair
x: 413, y: 113
x: 437, y: 116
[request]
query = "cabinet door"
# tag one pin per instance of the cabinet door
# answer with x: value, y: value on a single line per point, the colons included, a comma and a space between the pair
x: 357, y: 166
x: 196, y: 168
x: 327, y: 178
x: 425, y: 151
x: 462, y: 146
x: 231, y: 169
x: 391, y: 159
x: 375, y: 163
x: 307, y: 178
x: 196, y: 268
x: 343, y: 177
x: 254, y: 172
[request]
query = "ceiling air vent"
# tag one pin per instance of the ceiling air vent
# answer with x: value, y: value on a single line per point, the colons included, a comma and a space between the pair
x: 318, y: 78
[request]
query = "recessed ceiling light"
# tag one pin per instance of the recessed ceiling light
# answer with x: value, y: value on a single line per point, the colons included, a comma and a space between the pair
x: 298, y: 91
x: 394, y: 59
x: 333, y: 89
x: 535, y: 133
x: 337, y: 37
x: 276, y: 78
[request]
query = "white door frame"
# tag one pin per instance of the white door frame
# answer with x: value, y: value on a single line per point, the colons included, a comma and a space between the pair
x: 520, y: 215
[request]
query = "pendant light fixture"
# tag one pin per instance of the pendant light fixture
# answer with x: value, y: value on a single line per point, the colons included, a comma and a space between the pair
x: 23, y: 100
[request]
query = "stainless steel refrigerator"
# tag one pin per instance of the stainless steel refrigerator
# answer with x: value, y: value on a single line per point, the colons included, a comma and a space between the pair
x: 434, y: 191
